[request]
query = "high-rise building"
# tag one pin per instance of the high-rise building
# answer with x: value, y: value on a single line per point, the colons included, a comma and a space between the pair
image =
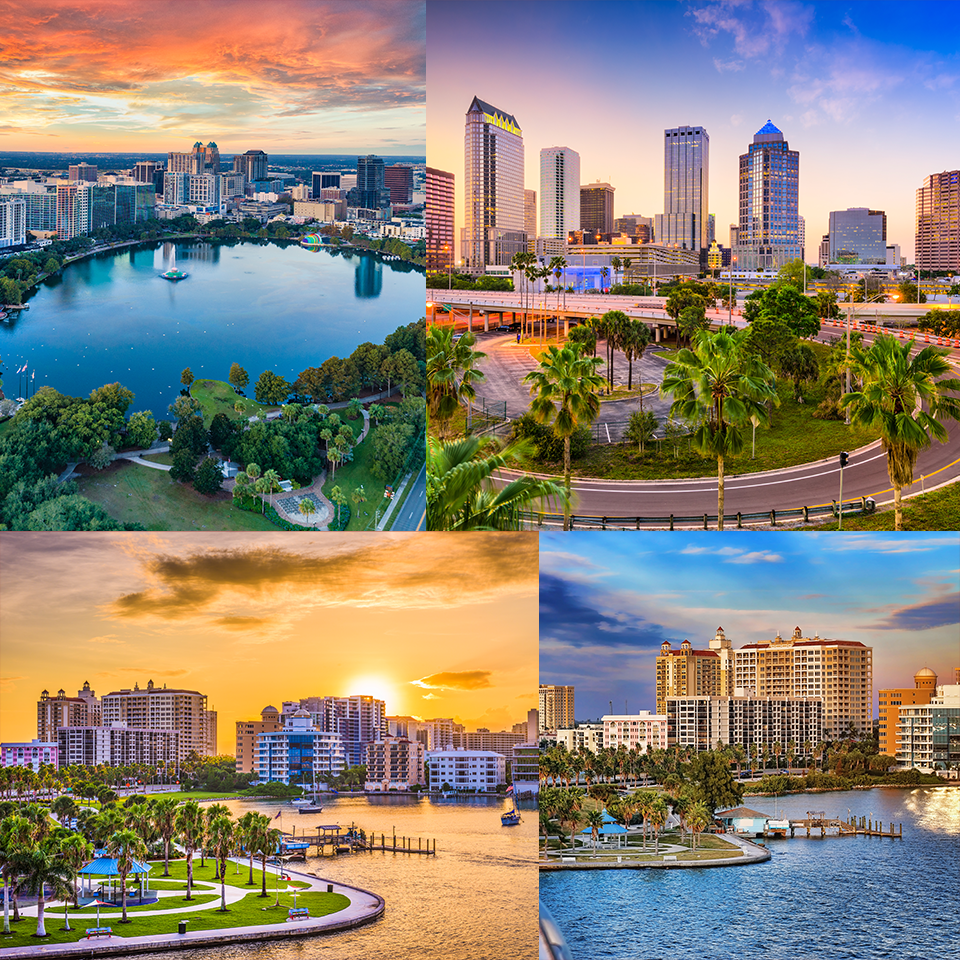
x: 247, y: 732
x: 596, y: 208
x: 929, y: 733
x: 889, y: 703
x: 493, y: 229
x: 395, y: 763
x: 323, y: 181
x: 839, y: 671
x: 358, y: 719
x: 687, y: 672
x: 938, y: 222
x: 858, y: 235
x: 769, y: 234
x: 633, y: 225
x: 556, y: 707
x: 117, y: 746
x: 640, y: 731
x: 559, y: 197
x: 83, y: 710
x: 298, y: 753
x: 191, y: 162
x: 466, y: 771
x: 530, y: 219
x: 159, y: 708
x: 253, y: 164
x: 13, y: 222
x: 439, y: 214
x: 73, y: 209
x: 686, y: 170
x: 82, y: 171
x: 372, y: 193
x: 398, y: 179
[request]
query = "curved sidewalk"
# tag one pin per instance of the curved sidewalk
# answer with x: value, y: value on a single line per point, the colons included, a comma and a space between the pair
x: 364, y: 907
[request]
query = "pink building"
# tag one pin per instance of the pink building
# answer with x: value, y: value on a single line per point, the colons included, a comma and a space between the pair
x: 640, y: 730
x: 31, y: 753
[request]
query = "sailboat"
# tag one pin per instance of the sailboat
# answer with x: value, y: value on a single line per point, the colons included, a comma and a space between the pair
x: 512, y: 816
x: 307, y: 804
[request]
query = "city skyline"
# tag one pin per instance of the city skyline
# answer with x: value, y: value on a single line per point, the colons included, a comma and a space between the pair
x: 320, y: 76
x: 606, y: 607
x: 852, y: 92
x: 238, y: 617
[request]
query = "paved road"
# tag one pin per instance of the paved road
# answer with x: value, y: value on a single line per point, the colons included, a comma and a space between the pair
x: 413, y: 512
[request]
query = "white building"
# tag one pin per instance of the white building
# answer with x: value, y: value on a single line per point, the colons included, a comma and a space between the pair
x: 640, y: 730
x: 559, y: 197
x: 525, y: 768
x: 584, y: 736
x: 299, y: 754
x: 30, y: 753
x: 466, y: 771
x: 359, y: 719
x: 116, y: 745
x: 930, y: 732
x: 13, y: 223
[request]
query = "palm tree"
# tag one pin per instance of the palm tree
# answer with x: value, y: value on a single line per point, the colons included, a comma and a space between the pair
x: 272, y: 479
x: 634, y: 339
x: 615, y: 263
x: 594, y: 820
x: 221, y: 834
x: 906, y: 399
x: 461, y: 494
x: 306, y: 508
x: 209, y: 815
x: 604, y: 273
x: 40, y: 868
x: 164, y: 810
x: 250, y: 825
x: 566, y: 386
x: 720, y: 386
x: 658, y: 817
x: 15, y: 839
x: 557, y: 267
x: 126, y: 845
x: 266, y: 841
x: 451, y: 374
x: 75, y: 851
x: 698, y: 817
x: 190, y: 826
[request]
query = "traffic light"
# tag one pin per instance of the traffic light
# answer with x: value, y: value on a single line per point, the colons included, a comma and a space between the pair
x: 844, y: 457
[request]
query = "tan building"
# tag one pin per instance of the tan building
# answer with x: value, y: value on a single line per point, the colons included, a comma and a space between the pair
x: 938, y: 222
x: 687, y: 672
x: 556, y: 707
x: 395, y: 763
x: 839, y: 671
x: 889, y: 704
x: 83, y: 710
x: 159, y: 708
x: 247, y: 731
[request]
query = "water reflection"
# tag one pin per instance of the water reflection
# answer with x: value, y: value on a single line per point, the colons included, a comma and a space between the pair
x: 368, y: 277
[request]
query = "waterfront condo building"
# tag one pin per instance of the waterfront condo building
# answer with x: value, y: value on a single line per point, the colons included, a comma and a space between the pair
x: 159, y: 708
x: 466, y: 771
x: 751, y: 722
x: 641, y: 731
x: 395, y: 763
x: 686, y: 171
x: 73, y: 209
x: 693, y: 673
x: 438, y: 213
x: 299, y: 754
x: 493, y: 229
x: 13, y: 222
x: 556, y: 707
x: 117, y: 745
x: 769, y: 189
x: 596, y: 208
x: 559, y: 198
x: 358, y: 720
x: 839, y: 671
x: 938, y: 222
x: 584, y: 736
x: 929, y: 733
x: 525, y: 768
x: 83, y: 710
x: 31, y: 753
x: 247, y: 732
x: 890, y: 702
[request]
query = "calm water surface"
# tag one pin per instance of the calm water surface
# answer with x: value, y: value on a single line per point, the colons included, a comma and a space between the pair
x: 476, y: 900
x: 857, y: 898
x: 112, y: 318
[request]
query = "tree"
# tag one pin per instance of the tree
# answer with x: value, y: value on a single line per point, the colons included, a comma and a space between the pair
x: 222, y: 429
x: 186, y: 378
x: 698, y: 818
x: 185, y: 407
x: 271, y: 388
x: 461, y: 494
x: 611, y: 327
x: 907, y: 399
x: 565, y: 387
x: 692, y: 319
x: 239, y: 377
x: 908, y: 293
x: 102, y: 457
x: 265, y: 842
x: 634, y: 339
x: 75, y: 851
x: 451, y: 374
x: 584, y: 335
x: 164, y: 810
x: 720, y: 386
x: 402, y: 368
x: 221, y: 840
x: 784, y: 302
x: 800, y: 364
x: 184, y: 466
x: 191, y: 827
x: 594, y: 820
x: 792, y: 272
x: 306, y: 508
x: 209, y: 477
x: 127, y: 847
x: 826, y: 301
x: 641, y: 428
x: 339, y: 499
x: 41, y: 868
x: 141, y: 430
x: 715, y: 786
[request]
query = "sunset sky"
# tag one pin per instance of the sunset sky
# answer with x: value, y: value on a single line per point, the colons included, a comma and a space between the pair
x: 868, y: 92
x: 288, y: 76
x: 437, y: 625
x: 607, y: 602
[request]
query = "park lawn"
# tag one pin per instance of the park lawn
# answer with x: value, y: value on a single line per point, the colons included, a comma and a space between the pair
x: 164, y: 458
x: 132, y: 493
x: 350, y: 476
x: 217, y: 396
x: 253, y: 910
x: 178, y: 871
x: 84, y: 914
x: 939, y: 510
x: 198, y: 794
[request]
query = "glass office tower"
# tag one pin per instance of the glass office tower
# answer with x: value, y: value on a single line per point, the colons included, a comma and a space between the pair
x: 686, y: 169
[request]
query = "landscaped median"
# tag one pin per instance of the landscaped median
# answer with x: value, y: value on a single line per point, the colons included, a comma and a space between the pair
x: 249, y: 915
x: 673, y: 850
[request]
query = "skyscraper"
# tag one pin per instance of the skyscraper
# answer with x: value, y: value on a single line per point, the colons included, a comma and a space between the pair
x: 398, y: 179
x: 769, y: 202
x: 493, y: 185
x: 938, y: 222
x: 596, y: 208
x: 556, y: 707
x: 253, y: 165
x: 559, y: 196
x: 439, y: 219
x: 687, y: 672
x: 686, y: 168
x: 858, y: 235
x: 82, y: 171
x: 530, y: 219
x: 372, y: 194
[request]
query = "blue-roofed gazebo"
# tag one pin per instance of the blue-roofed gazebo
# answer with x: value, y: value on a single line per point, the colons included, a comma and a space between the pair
x: 105, y: 869
x: 609, y: 829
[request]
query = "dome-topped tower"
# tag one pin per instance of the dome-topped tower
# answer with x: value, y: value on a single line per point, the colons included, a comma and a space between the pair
x: 925, y: 679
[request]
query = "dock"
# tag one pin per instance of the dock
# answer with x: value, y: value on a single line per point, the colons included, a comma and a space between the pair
x: 816, y: 820
x: 349, y: 840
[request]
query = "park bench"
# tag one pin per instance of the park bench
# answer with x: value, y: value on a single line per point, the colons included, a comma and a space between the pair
x: 669, y: 858
x: 300, y: 913
x: 99, y: 932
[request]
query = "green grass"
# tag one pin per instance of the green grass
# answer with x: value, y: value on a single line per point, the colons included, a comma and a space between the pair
x: 351, y: 475
x: 178, y: 871
x: 133, y: 493
x: 165, y: 458
x: 199, y: 794
x: 253, y: 910
x: 217, y: 396
x: 939, y: 510
x: 165, y: 903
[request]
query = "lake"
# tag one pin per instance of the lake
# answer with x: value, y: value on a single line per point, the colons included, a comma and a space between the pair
x: 850, y: 898
x: 267, y: 307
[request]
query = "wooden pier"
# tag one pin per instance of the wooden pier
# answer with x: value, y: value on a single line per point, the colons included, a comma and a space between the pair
x: 816, y: 820
x: 349, y: 840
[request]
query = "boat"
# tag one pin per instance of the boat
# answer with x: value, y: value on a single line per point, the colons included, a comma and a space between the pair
x: 512, y: 816
x: 174, y: 274
x: 309, y: 808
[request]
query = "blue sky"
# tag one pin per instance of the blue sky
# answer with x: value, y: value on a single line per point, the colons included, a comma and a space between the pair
x: 608, y: 601
x: 868, y: 92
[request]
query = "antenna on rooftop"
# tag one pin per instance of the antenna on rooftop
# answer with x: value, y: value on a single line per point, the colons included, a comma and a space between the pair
x: 611, y: 705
